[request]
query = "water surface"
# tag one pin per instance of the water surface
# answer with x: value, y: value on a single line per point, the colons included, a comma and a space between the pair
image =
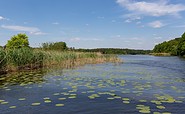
x: 142, y: 84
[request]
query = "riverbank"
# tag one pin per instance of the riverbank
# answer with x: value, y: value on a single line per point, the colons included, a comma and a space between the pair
x: 160, y: 54
x: 28, y: 59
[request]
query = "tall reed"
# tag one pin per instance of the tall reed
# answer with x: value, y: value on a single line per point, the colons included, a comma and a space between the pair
x: 3, y: 59
x: 27, y: 58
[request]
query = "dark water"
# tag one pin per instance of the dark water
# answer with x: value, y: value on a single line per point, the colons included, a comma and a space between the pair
x: 142, y: 84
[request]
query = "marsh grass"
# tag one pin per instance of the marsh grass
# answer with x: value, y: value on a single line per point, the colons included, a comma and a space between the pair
x: 71, y: 59
x: 27, y: 58
x: 3, y: 60
x: 160, y: 54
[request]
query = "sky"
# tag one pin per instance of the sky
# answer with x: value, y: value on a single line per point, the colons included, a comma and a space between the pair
x: 135, y: 24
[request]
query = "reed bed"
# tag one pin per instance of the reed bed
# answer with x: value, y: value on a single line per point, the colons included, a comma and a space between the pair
x: 27, y: 58
x: 160, y: 54
x: 71, y: 59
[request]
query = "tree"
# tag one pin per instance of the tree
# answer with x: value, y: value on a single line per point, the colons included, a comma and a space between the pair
x: 18, y: 41
x: 59, y: 46
x: 181, y: 46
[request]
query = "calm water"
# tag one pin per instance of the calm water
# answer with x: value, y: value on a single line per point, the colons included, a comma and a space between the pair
x: 142, y: 84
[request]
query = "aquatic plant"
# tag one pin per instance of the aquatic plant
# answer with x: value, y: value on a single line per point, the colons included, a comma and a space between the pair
x: 2, y: 59
x: 28, y: 58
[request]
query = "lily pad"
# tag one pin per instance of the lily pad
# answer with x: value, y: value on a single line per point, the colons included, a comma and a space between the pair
x: 59, y: 105
x: 35, y: 104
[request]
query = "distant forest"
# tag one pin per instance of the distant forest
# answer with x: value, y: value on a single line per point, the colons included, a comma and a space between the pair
x: 174, y: 47
x: 115, y: 51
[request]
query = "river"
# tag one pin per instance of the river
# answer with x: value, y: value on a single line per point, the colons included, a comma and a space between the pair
x: 141, y: 84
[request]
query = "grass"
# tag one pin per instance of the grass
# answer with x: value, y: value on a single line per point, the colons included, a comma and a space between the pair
x: 27, y: 58
x: 160, y: 54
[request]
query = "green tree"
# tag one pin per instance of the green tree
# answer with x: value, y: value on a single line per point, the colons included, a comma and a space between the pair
x: 59, y: 46
x: 18, y: 41
x: 181, y: 46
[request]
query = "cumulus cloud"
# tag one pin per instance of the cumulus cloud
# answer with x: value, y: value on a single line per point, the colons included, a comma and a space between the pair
x: 2, y: 18
x: 31, y: 30
x: 156, y: 8
x: 156, y: 24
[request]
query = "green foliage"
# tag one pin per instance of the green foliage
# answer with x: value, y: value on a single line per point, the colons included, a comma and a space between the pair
x: 2, y: 58
x: 167, y: 47
x: 59, y: 46
x: 174, y: 47
x: 115, y: 51
x: 25, y: 57
x: 18, y: 41
x: 181, y: 46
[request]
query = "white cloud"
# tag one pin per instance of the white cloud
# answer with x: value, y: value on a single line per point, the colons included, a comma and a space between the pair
x: 76, y: 39
x: 31, y: 30
x: 156, y: 24
x: 131, y: 18
x: 38, y: 33
x: 3, y: 18
x: 157, y: 8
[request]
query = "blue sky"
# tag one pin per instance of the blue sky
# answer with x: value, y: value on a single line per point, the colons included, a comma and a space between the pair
x: 136, y: 24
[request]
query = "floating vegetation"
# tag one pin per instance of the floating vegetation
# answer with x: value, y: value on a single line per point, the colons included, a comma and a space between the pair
x: 160, y: 107
x: 143, y: 101
x: 143, y: 109
x: 59, y: 105
x: 4, y: 102
x: 110, y: 98
x: 56, y: 94
x: 47, y: 101
x: 125, y: 99
x: 93, y: 96
x: 126, y: 102
x: 166, y: 113
x: 35, y: 104
x: 13, y: 107
x: 22, y: 99
x: 61, y: 98
x: 72, y: 97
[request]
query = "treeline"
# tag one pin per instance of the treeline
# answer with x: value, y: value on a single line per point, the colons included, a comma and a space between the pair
x: 115, y: 51
x: 173, y: 47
